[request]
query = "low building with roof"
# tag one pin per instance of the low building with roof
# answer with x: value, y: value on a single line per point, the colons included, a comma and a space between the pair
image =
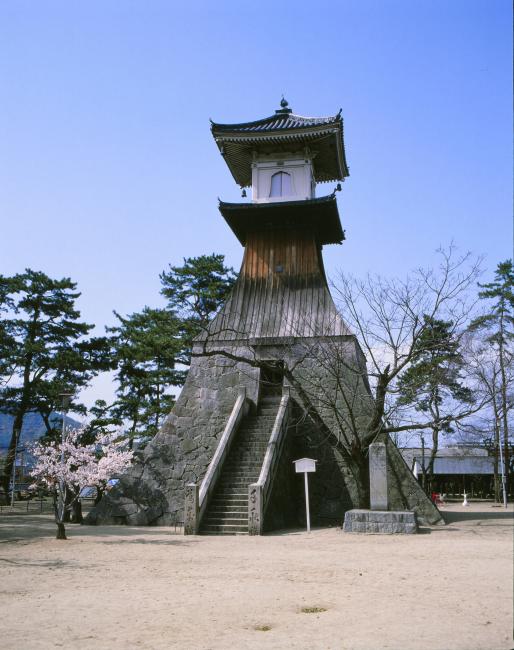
x: 457, y: 470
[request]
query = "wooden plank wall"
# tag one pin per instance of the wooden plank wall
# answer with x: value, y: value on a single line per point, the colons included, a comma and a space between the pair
x: 281, y: 291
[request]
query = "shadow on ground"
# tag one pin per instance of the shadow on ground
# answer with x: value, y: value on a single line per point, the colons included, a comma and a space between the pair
x: 25, y: 528
x: 453, y: 517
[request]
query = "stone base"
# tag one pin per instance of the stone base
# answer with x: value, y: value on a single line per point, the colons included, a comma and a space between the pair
x: 380, y: 521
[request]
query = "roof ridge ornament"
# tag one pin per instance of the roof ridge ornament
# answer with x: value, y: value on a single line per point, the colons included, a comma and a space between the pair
x: 284, y: 107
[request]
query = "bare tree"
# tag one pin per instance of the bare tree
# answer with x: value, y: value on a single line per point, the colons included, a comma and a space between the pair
x: 351, y: 404
x: 390, y: 318
x: 488, y: 375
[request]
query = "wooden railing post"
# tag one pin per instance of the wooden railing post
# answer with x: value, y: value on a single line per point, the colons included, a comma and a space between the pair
x: 191, y: 508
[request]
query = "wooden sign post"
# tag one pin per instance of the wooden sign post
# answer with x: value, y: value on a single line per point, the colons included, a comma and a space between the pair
x: 306, y: 465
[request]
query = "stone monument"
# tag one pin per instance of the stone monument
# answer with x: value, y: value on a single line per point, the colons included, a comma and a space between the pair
x: 379, y: 519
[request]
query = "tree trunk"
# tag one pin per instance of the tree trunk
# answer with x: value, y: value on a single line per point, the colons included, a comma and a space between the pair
x: 497, y: 443
x: 59, y: 510
x: 76, y: 514
x: 23, y: 406
x: 433, y: 453
x: 11, y: 452
x: 67, y: 516
x: 363, y: 483
x: 61, y: 531
x: 506, y: 461
x: 99, y: 495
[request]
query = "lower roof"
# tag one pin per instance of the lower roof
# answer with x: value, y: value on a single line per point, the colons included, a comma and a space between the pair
x: 320, y: 216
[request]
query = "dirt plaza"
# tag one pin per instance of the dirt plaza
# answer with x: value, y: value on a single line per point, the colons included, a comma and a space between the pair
x: 449, y: 587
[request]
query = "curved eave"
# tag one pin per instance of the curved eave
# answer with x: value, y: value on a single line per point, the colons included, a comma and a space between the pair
x: 279, y: 121
x: 320, y: 216
x: 329, y: 163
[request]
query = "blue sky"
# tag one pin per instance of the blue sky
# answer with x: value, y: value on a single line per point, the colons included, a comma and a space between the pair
x: 108, y: 171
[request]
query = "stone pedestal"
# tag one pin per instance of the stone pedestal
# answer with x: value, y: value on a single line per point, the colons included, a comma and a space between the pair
x: 380, y: 522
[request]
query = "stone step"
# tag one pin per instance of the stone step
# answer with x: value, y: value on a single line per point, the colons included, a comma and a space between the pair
x: 224, y: 507
x: 225, y: 528
x: 246, y: 468
x: 234, y: 488
x: 228, y: 506
x: 223, y: 532
x: 267, y: 412
x: 261, y: 441
x: 227, y: 513
x: 246, y: 464
x: 254, y: 436
x: 230, y: 489
x: 251, y: 470
x: 241, y: 476
x: 247, y: 453
x: 226, y: 520
x: 249, y: 476
x: 238, y: 482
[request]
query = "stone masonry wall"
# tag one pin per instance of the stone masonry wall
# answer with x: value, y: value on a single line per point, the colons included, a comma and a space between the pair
x: 152, y: 491
x: 331, y: 370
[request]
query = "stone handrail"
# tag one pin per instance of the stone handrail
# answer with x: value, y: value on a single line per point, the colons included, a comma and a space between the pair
x: 258, y: 493
x: 197, y: 498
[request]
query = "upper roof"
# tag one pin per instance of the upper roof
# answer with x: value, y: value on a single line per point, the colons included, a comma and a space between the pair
x: 284, y: 131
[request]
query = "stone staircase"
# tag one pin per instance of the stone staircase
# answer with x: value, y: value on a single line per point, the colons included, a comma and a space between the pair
x: 227, y: 511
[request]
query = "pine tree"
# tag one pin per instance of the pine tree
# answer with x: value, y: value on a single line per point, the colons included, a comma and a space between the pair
x: 434, y: 378
x: 196, y: 290
x: 147, y: 348
x: 44, y: 351
x: 498, y: 325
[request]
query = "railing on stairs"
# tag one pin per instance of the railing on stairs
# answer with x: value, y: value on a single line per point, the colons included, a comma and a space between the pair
x: 197, y: 496
x: 259, y: 493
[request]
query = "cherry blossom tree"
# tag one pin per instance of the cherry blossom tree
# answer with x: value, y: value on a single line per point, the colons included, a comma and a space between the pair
x: 66, y: 467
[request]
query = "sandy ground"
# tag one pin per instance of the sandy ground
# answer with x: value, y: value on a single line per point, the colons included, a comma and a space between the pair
x: 449, y: 587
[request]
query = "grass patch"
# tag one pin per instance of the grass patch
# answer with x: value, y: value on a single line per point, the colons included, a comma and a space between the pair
x: 312, y: 610
x: 262, y: 628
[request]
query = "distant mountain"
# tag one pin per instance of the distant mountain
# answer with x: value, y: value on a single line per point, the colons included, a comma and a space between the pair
x: 33, y: 428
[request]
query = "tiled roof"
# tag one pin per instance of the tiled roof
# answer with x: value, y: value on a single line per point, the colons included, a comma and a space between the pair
x: 319, y: 215
x: 280, y: 121
x: 284, y: 131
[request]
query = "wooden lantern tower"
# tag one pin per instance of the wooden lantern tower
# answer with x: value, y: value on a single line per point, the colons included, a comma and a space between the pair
x: 222, y: 462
